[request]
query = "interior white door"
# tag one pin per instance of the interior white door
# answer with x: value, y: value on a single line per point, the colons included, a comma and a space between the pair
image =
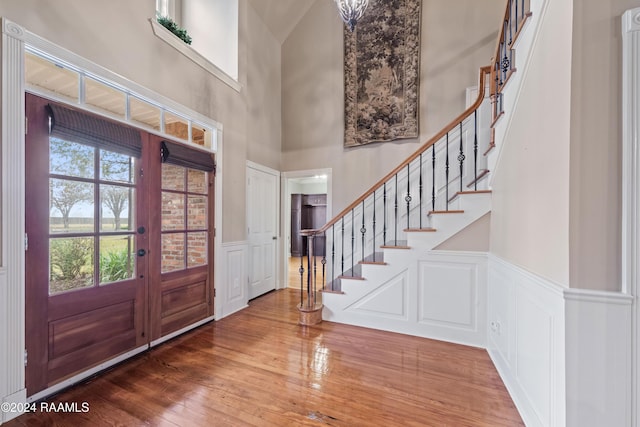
x: 262, y: 223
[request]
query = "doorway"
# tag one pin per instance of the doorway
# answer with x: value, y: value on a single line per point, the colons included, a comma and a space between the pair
x: 307, y: 203
x: 263, y: 212
x: 120, y: 249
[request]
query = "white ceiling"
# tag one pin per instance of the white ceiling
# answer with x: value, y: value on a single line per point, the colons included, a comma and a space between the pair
x: 281, y: 16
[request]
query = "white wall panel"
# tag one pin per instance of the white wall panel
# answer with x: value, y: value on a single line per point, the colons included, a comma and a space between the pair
x: 526, y: 341
x: 232, y: 292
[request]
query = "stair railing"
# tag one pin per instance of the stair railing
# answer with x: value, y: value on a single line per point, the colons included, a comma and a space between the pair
x: 516, y: 14
x: 426, y: 182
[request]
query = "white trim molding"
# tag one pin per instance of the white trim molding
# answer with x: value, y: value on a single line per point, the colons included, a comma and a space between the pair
x: 13, y: 212
x: 631, y: 188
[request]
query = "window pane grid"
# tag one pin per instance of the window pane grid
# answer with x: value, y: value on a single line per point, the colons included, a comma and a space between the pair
x: 92, y: 217
x: 58, y: 79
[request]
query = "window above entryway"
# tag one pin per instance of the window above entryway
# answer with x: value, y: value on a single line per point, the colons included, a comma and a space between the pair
x: 213, y: 28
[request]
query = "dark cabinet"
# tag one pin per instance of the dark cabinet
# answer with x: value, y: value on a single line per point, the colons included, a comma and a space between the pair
x: 308, y: 211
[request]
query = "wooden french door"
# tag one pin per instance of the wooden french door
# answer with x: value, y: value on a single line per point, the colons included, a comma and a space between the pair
x: 119, y: 251
x: 181, y: 215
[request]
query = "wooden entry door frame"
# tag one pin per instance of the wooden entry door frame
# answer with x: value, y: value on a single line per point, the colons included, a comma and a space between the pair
x: 74, y: 333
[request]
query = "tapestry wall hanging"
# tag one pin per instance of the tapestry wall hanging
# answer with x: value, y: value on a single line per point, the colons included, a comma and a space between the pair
x: 381, y: 73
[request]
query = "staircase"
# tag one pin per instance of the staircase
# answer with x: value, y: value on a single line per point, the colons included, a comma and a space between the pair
x: 382, y: 269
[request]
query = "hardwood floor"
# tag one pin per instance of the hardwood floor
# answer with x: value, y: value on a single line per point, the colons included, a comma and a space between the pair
x: 258, y: 367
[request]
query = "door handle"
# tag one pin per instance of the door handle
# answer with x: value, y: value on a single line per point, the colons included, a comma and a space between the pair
x: 274, y: 238
x: 141, y: 252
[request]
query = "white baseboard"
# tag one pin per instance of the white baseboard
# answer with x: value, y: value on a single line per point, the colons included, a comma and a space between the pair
x: 15, y: 401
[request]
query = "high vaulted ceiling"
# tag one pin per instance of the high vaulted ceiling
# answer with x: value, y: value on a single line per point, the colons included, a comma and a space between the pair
x: 281, y: 16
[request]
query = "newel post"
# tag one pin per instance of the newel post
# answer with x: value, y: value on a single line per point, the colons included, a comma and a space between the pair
x: 309, y: 307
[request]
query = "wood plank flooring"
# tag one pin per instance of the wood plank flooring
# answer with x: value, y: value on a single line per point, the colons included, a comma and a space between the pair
x: 257, y: 367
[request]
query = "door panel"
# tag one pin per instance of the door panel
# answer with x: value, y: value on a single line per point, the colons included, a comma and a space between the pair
x: 262, y: 214
x: 181, y: 286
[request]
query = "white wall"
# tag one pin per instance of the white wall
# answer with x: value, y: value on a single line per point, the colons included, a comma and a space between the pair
x: 213, y: 27
x: 457, y: 39
x: 530, y: 211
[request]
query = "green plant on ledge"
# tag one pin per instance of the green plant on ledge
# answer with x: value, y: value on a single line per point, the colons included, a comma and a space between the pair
x: 170, y: 25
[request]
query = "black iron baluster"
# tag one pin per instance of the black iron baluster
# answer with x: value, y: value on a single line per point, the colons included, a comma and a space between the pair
x: 324, y: 264
x: 363, y: 230
x: 433, y: 177
x: 374, y: 226
x: 510, y: 24
x: 315, y: 265
x: 407, y: 198
x: 301, y: 271
x: 342, y: 254
x: 461, y: 157
x: 353, y: 240
x: 395, y: 215
x: 475, y: 150
x: 333, y: 255
x: 384, y: 214
x: 420, y: 193
x: 517, y: 20
x: 446, y: 176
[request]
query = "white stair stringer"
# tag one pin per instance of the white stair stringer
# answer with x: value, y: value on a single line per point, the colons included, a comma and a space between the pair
x: 419, y: 291
x: 523, y: 49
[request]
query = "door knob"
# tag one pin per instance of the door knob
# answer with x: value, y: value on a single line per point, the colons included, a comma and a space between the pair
x: 141, y: 252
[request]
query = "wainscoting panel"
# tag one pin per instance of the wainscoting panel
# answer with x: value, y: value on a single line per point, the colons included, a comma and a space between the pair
x: 599, y: 358
x: 232, y: 292
x: 439, y: 295
x: 526, y: 341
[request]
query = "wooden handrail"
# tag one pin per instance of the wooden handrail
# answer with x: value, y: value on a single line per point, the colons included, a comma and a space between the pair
x: 448, y: 128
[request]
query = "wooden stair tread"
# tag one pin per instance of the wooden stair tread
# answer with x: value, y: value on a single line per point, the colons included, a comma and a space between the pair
x: 331, y: 291
x: 395, y: 247
x: 352, y: 277
x: 481, y: 174
x: 420, y: 230
x: 372, y: 263
x: 462, y: 193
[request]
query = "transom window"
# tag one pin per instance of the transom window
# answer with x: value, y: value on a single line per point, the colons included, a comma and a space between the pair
x: 58, y: 80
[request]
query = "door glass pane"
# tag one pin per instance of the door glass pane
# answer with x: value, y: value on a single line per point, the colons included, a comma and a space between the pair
x: 116, y: 167
x: 70, y: 158
x: 70, y: 264
x: 172, y: 252
x: 196, y: 181
x: 172, y: 177
x: 197, y: 213
x: 116, y: 208
x: 172, y: 211
x: 71, y: 206
x: 197, y: 249
x: 117, y: 258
